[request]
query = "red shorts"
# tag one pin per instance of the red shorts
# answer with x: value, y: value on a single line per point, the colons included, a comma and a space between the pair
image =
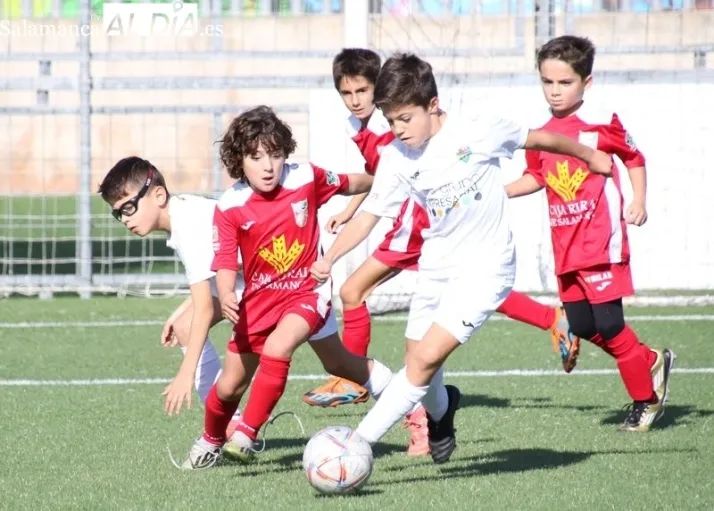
x: 311, y: 307
x: 597, y: 284
x: 401, y: 246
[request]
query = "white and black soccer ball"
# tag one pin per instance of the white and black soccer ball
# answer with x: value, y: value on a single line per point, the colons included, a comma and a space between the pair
x: 337, y: 460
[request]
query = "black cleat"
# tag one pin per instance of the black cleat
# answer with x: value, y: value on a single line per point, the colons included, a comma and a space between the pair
x: 442, y: 434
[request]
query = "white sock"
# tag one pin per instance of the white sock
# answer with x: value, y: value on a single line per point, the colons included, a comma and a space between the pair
x: 209, y: 367
x: 397, y: 399
x: 379, y: 378
x: 436, y: 401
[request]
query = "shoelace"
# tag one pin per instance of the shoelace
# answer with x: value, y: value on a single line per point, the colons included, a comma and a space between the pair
x: 262, y: 447
x: 271, y: 421
x: 636, y: 410
x: 204, y: 450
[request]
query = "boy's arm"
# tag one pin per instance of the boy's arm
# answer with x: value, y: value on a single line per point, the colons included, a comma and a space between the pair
x: 621, y: 143
x: 636, y: 213
x: 168, y: 330
x: 181, y: 388
x: 526, y: 185
x: 598, y: 162
x: 225, y: 261
x: 359, y: 184
x: 354, y: 233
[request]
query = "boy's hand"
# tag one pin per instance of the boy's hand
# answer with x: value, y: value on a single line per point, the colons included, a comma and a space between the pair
x: 229, y: 307
x: 600, y: 163
x: 168, y: 338
x: 179, y: 390
x: 335, y: 221
x: 321, y: 270
x: 636, y: 213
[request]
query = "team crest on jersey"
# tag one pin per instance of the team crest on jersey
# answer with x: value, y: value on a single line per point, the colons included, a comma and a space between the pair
x: 588, y: 138
x: 464, y: 154
x: 630, y: 142
x: 332, y: 178
x: 300, y: 212
x: 216, y: 239
x: 564, y: 184
x: 279, y: 256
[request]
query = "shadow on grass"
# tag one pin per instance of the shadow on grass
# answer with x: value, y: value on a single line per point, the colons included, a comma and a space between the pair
x: 516, y: 461
x: 483, y: 401
x: 674, y: 415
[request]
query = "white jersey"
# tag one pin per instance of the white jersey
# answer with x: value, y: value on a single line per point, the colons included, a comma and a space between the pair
x: 456, y: 178
x: 191, y: 237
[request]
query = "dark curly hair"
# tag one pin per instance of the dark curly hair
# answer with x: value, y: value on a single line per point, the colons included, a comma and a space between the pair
x: 259, y: 125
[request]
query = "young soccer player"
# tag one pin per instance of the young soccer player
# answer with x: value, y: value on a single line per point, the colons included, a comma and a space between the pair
x: 270, y: 217
x: 450, y: 168
x: 589, y: 229
x: 355, y: 72
x: 137, y: 192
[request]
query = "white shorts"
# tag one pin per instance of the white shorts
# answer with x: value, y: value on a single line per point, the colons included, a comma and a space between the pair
x: 328, y: 329
x: 460, y: 304
x: 240, y: 287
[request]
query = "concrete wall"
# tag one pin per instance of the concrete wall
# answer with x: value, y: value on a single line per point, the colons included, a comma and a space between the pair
x: 39, y: 154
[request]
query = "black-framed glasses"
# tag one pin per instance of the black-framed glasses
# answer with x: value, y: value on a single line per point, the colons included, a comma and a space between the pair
x: 132, y: 205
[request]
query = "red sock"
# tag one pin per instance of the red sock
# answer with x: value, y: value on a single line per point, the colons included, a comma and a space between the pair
x: 598, y: 341
x: 527, y: 310
x: 266, y: 391
x: 217, y: 415
x: 633, y: 362
x: 357, y: 330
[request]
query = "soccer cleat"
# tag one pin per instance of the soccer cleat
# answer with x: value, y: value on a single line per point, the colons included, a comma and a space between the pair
x: 203, y: 454
x: 416, y: 423
x: 565, y: 343
x: 336, y: 392
x: 660, y: 371
x: 239, y: 448
x: 442, y: 434
x: 642, y: 415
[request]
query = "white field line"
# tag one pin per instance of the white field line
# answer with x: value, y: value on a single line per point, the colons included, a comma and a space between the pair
x: 319, y: 377
x: 380, y: 319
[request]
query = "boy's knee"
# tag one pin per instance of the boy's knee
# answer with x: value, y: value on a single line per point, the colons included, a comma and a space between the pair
x: 351, y: 295
x: 610, y: 327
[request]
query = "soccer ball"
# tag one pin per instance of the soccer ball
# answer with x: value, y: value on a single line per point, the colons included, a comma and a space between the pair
x: 337, y: 460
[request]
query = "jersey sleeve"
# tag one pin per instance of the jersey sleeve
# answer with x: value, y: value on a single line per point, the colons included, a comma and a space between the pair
x: 225, y: 241
x: 329, y: 184
x: 501, y: 137
x: 196, y: 255
x: 621, y: 144
x: 388, y: 193
x: 533, y: 166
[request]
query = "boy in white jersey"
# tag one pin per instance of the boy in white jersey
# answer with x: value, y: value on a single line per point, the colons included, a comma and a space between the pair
x: 450, y: 168
x: 139, y: 198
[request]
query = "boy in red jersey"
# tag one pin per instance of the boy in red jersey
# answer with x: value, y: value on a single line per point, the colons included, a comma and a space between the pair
x: 355, y: 73
x: 270, y: 216
x: 589, y: 230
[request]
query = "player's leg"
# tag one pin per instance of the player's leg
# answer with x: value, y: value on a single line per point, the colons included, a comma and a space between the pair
x: 356, y: 332
x: 337, y: 360
x: 221, y: 404
x: 553, y: 319
x: 645, y: 372
x: 299, y: 321
x: 455, y: 319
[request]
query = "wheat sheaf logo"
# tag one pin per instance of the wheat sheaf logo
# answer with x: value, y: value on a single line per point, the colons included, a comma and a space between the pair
x: 566, y: 185
x: 281, y: 258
